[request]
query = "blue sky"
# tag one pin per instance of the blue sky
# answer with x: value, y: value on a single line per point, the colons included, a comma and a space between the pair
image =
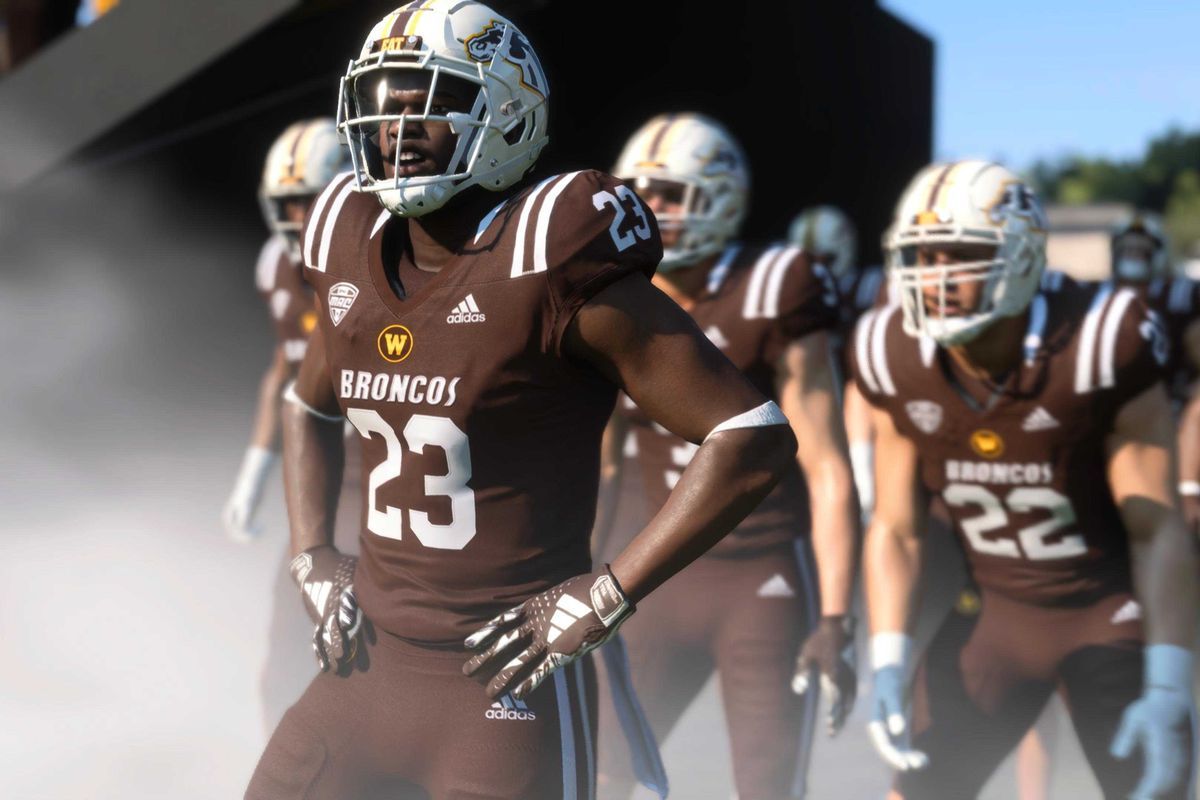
x: 1021, y: 79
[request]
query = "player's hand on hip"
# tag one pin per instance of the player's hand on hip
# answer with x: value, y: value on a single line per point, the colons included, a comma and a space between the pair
x: 326, y: 580
x: 1159, y: 723
x: 242, y: 505
x: 827, y: 657
x: 889, y: 726
x: 525, y: 644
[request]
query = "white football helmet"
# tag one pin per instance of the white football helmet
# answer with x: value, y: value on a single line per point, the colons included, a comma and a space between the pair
x: 698, y: 160
x: 966, y: 202
x: 828, y: 234
x: 498, y: 140
x: 301, y: 162
x: 1140, y: 248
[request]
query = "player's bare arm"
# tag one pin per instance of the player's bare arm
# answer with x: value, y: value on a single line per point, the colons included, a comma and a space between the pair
x: 638, y: 338
x: 1141, y: 475
x: 314, y: 450
x: 892, y: 557
x: 809, y: 399
x: 260, y: 454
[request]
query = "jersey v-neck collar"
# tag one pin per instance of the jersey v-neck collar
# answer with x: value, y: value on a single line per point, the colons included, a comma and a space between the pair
x: 446, y: 277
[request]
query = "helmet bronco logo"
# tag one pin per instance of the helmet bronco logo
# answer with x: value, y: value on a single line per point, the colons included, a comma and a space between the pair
x: 483, y: 47
x: 1019, y: 200
x: 987, y: 443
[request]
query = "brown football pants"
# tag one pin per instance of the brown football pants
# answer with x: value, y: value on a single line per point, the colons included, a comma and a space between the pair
x: 410, y: 725
x: 746, y: 618
x: 989, y: 671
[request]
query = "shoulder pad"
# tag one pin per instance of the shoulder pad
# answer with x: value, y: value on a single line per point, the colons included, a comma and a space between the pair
x: 585, y: 214
x: 1111, y: 328
x: 870, y: 351
x: 317, y: 234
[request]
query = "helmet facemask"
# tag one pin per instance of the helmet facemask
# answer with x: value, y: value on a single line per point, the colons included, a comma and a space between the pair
x: 1138, y: 256
x: 496, y: 134
x: 701, y: 215
x: 927, y: 291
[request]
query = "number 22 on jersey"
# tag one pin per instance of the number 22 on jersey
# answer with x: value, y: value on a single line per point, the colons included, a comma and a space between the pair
x: 1033, y: 539
x: 421, y: 431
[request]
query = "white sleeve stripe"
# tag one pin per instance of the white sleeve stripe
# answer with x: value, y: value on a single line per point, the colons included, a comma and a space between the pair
x: 879, y: 350
x: 1087, y: 340
x: 752, y: 304
x: 315, y: 220
x: 1112, y: 327
x: 775, y: 281
x: 543, y: 223
x: 861, y: 335
x: 330, y: 224
x: 379, y: 222
x: 518, y: 262
x: 268, y: 263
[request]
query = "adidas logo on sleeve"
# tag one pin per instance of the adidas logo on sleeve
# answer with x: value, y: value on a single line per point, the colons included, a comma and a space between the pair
x: 508, y: 708
x: 466, y: 311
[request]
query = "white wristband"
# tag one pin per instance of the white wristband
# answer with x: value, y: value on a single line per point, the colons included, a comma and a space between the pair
x: 862, y: 466
x: 761, y: 416
x: 1168, y: 666
x: 256, y: 466
x: 890, y: 649
x: 1189, y: 488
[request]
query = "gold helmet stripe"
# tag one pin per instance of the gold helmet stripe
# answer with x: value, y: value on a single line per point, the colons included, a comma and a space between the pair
x: 659, y: 134
x: 303, y: 151
x: 939, y: 183
x: 411, y: 26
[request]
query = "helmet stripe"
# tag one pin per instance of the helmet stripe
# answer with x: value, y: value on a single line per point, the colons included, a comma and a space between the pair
x: 656, y: 142
x: 937, y: 185
x: 410, y: 26
x: 301, y: 150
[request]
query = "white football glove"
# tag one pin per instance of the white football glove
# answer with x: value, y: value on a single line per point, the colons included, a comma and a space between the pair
x: 889, y: 725
x: 242, y: 505
x: 1159, y: 722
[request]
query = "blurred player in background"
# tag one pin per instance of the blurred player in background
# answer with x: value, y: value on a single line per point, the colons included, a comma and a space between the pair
x: 1141, y: 261
x: 300, y: 163
x: 828, y: 237
x: 1141, y: 255
x: 1041, y: 420
x: 485, y: 320
x: 748, y: 607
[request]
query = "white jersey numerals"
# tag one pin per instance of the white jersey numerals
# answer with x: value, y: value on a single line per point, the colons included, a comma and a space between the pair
x: 421, y: 431
x: 624, y: 197
x: 1032, y: 541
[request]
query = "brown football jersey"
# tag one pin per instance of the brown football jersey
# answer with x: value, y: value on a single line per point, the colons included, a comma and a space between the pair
x: 480, y: 438
x: 757, y: 300
x: 280, y: 282
x: 1024, y: 478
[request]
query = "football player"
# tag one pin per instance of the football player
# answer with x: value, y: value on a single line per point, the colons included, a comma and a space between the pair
x: 300, y: 163
x: 770, y: 310
x: 1041, y: 421
x: 1141, y: 260
x: 828, y: 237
x: 484, y: 321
